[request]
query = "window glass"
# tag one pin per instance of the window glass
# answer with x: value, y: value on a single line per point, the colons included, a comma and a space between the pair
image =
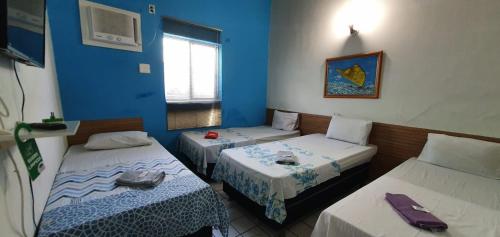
x: 191, y: 70
x: 177, y: 69
x: 204, y: 71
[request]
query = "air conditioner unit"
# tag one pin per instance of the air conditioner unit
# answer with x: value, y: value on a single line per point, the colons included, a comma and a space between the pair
x: 110, y: 27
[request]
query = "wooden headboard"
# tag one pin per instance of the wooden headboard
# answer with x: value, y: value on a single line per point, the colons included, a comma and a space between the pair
x: 395, y: 143
x: 90, y: 127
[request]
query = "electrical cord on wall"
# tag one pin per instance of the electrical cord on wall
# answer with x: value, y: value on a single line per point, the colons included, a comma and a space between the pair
x: 9, y: 154
x: 22, y: 90
x: 6, y: 114
x: 33, y: 205
x: 22, y: 120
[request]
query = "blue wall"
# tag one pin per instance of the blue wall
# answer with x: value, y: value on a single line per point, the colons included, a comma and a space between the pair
x: 101, y: 83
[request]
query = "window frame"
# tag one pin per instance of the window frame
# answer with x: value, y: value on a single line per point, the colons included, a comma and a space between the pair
x: 217, y: 88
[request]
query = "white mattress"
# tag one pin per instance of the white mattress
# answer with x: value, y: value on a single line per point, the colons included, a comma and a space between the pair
x: 320, y: 159
x: 263, y: 134
x: 202, y: 151
x: 347, y: 155
x: 79, y: 158
x: 469, y: 204
x: 315, y: 151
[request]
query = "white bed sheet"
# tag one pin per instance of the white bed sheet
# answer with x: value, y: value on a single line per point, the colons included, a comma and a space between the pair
x: 202, y: 151
x: 469, y: 204
x: 315, y: 151
x: 263, y: 134
x: 79, y: 158
x: 320, y: 159
x: 83, y: 162
x: 346, y: 154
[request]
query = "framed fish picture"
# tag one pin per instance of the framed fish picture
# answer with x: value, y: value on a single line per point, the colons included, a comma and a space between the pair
x: 354, y: 76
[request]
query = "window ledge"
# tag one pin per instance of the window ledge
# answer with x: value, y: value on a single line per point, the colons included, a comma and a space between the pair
x: 194, y: 102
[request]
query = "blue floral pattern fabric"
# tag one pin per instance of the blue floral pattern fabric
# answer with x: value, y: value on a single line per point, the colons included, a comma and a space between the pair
x: 253, y: 171
x: 202, y: 151
x: 88, y: 203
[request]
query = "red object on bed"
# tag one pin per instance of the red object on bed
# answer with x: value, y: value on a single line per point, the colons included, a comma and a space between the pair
x: 211, y: 135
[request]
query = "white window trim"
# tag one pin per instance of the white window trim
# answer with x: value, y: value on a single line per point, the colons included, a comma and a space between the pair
x: 217, y: 71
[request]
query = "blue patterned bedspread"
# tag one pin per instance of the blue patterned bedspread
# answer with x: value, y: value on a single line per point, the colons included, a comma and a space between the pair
x: 88, y: 203
x: 252, y: 170
x: 202, y: 151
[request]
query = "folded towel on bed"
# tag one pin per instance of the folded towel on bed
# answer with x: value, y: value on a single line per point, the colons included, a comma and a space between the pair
x: 287, y: 158
x: 414, y: 214
x: 141, y: 179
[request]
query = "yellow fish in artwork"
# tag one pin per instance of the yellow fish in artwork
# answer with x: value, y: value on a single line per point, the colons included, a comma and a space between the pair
x: 355, y: 74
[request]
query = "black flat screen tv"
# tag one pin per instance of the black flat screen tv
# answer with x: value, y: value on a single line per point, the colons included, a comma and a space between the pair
x: 22, y: 31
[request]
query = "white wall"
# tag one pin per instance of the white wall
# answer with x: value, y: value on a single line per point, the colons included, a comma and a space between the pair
x: 42, y: 97
x: 441, y: 67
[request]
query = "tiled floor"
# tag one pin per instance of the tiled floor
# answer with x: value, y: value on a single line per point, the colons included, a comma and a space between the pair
x: 245, y: 224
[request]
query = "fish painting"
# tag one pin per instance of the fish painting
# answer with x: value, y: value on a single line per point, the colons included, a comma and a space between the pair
x: 355, y: 74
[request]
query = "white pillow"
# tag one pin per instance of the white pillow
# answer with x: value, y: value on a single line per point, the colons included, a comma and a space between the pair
x: 463, y: 154
x: 350, y: 130
x: 285, y: 121
x: 116, y: 140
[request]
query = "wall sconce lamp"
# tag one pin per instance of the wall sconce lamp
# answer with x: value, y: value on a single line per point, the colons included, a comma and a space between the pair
x: 361, y: 16
x: 352, y: 30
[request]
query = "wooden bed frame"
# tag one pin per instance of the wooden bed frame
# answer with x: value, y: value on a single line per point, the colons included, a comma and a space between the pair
x: 395, y: 145
x: 89, y: 127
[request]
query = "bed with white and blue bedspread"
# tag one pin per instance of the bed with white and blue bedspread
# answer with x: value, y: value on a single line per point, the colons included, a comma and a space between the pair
x: 203, y: 151
x: 85, y: 201
x: 253, y: 171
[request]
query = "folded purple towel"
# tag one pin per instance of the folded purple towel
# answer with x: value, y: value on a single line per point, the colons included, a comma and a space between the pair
x: 407, y: 209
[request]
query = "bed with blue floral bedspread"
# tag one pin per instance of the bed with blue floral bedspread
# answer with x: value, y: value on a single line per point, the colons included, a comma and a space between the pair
x: 85, y: 201
x: 253, y: 171
x: 203, y: 151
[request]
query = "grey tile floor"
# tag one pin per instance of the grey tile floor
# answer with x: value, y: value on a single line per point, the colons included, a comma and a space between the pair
x: 245, y: 224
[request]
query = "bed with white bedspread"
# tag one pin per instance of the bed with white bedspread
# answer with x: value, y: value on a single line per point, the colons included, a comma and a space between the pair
x: 468, y: 203
x: 252, y: 170
x: 203, y: 151
x: 85, y: 201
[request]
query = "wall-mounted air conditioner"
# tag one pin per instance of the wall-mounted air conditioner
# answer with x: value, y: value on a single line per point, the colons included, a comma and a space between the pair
x: 110, y: 27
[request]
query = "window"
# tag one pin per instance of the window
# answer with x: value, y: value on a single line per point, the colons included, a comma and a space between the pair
x: 192, y: 82
x: 191, y: 70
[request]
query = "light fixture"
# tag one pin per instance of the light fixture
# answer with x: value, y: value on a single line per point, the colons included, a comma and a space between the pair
x: 361, y: 16
x: 352, y: 30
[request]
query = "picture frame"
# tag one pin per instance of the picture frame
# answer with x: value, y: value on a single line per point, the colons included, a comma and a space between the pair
x: 354, y: 76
